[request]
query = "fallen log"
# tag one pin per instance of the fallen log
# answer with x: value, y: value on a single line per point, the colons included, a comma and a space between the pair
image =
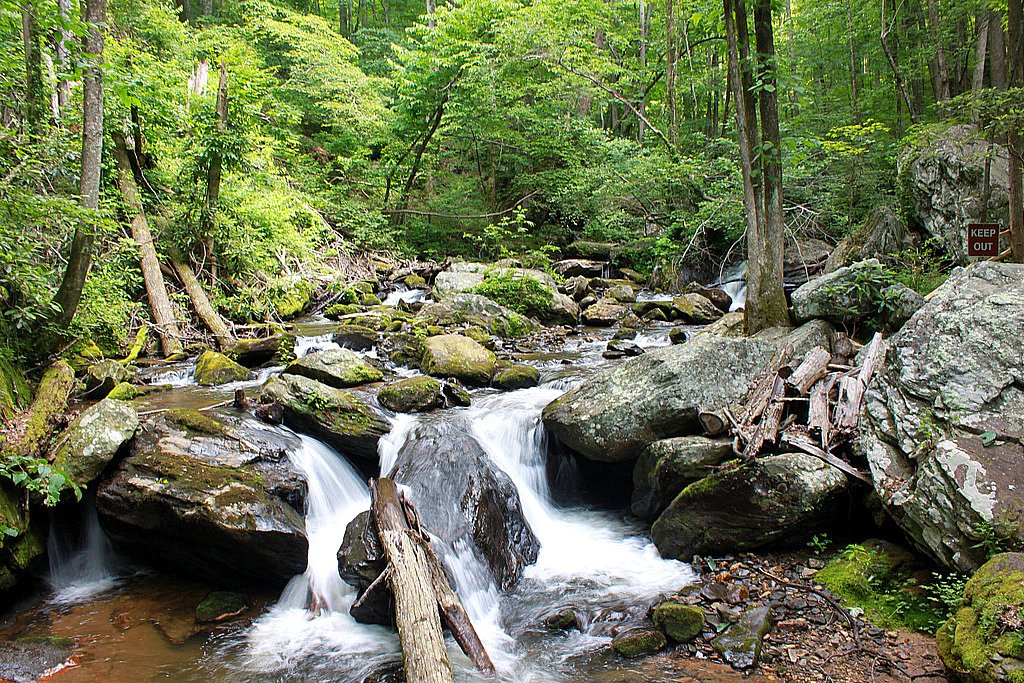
x: 804, y: 444
x: 813, y: 367
x: 851, y: 389
x: 760, y: 392
x: 713, y: 422
x: 201, y: 303
x: 818, y: 412
x: 47, y: 412
x: 768, y: 428
x: 419, y: 626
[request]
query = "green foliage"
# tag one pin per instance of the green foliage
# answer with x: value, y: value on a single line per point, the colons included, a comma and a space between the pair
x: 38, y: 477
x: 523, y: 294
x: 819, y: 543
x: 870, y: 294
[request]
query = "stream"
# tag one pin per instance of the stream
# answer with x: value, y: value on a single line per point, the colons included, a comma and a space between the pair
x: 134, y: 625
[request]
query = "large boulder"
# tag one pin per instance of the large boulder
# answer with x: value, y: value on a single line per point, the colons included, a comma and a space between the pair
x: 578, y: 267
x: 943, y: 419
x: 93, y: 439
x: 452, y: 355
x: 983, y: 642
x: 775, y: 499
x: 421, y: 394
x: 617, y: 413
x: 338, y: 368
x: 604, y: 313
x: 204, y: 498
x: 695, y: 309
x: 943, y: 183
x: 215, y: 368
x: 460, y: 277
x: 462, y: 498
x: 361, y: 561
x: 340, y: 419
x: 667, y: 467
x: 863, y: 291
x: 475, y: 310
x: 103, y: 376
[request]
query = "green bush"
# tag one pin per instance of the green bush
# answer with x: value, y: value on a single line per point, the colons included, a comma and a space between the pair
x: 524, y: 295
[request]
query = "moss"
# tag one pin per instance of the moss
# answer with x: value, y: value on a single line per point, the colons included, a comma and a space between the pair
x: 370, y: 300
x: 290, y: 297
x: 412, y: 395
x: 365, y: 287
x: 639, y: 642
x: 682, y: 623
x: 124, y: 391
x: 195, y: 421
x: 515, y: 377
x: 216, y: 368
x: 220, y: 605
x: 415, y: 282
x: 51, y: 400
x: 336, y: 311
x: 478, y: 334
x: 14, y: 390
x: 349, y: 296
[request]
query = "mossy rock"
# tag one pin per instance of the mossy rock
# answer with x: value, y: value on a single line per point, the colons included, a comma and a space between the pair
x: 125, y: 391
x: 512, y: 377
x: 365, y: 287
x: 195, y: 421
x: 415, y: 282
x: 290, y: 297
x: 370, y: 300
x: 94, y: 438
x: 103, y: 376
x: 15, y: 393
x: 412, y: 395
x: 453, y: 355
x: 339, y: 368
x: 22, y: 547
x: 480, y: 336
x: 84, y: 353
x: 215, y: 368
x: 337, y: 311
x: 984, y: 641
x: 639, y: 642
x: 220, y: 606
x: 681, y: 623
x: 695, y: 309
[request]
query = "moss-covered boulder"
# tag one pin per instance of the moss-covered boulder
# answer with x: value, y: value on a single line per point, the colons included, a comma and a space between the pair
x: 403, y: 349
x: 103, y: 376
x: 695, y: 309
x: 22, y: 541
x: 339, y: 368
x: 254, y: 352
x: 415, y: 281
x: 337, y: 417
x: 681, y: 623
x: 622, y: 293
x: 453, y: 355
x: 668, y: 466
x: 984, y: 641
x: 14, y: 390
x: 355, y: 337
x: 124, y: 391
x: 412, y: 395
x: 509, y: 377
x: 290, y: 297
x: 94, y: 438
x: 339, y: 311
x: 225, y: 508
x: 639, y: 642
x: 214, y: 368
x: 464, y: 310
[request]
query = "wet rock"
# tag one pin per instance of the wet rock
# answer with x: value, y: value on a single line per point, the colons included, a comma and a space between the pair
x: 361, y: 560
x: 94, y: 438
x: 718, y: 297
x: 856, y: 293
x: 27, y: 660
x: 772, y: 500
x: 563, y: 310
x: 668, y: 466
x: 255, y: 352
x: 695, y: 309
x: 463, y: 498
x: 621, y: 348
x: 511, y: 377
x: 221, y: 606
x: 570, y: 268
x: 23, y: 553
x: 103, y: 376
x: 577, y: 287
x: 415, y: 281
x: 615, y: 414
x: 402, y: 349
x: 220, y: 508
x: 474, y: 309
x: 453, y: 355
x: 624, y: 294
x: 740, y: 644
x: 943, y: 418
x: 639, y: 642
x: 355, y: 337
x: 604, y: 313
x: 215, y: 368
x: 340, y: 419
x: 412, y: 395
x: 983, y: 642
x: 290, y: 296
x: 459, y: 278
x: 338, y: 368
x: 563, y: 620
x: 678, y: 335
x: 124, y: 392
x: 681, y: 623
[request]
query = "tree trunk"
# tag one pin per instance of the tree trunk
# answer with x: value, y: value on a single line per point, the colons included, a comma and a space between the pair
x: 644, y: 17
x: 80, y: 257
x: 1014, y: 139
x: 419, y: 627
x: 63, y: 58
x: 213, y: 321
x: 940, y: 64
x: 997, y: 52
x: 890, y: 56
x: 156, y: 290
x: 671, y: 57
x: 853, y: 62
x: 48, y: 410
x: 34, y: 108
x: 766, y: 299
x: 981, y: 51
x: 213, y: 176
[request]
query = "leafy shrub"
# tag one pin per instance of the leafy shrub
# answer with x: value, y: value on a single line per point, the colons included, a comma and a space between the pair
x: 522, y: 294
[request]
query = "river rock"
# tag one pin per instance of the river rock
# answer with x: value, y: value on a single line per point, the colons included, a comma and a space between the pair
x: 474, y: 309
x: 681, y: 623
x: 563, y: 310
x: 338, y: 368
x: 27, y: 660
x: 944, y: 185
x: 771, y: 500
x: 460, y: 277
x: 624, y: 294
x: 617, y: 413
x: 509, y: 377
x: 622, y: 348
x: 215, y: 368
x: 355, y: 337
x: 103, y: 376
x: 719, y: 297
x: 944, y: 416
x: 983, y: 642
x: 224, y: 508
x: 339, y: 418
x: 93, y: 439
x: 23, y: 553
x: 740, y: 644
x: 848, y: 294
x: 577, y: 267
x: 639, y: 642
x: 668, y: 466
x: 604, y: 313
x: 290, y: 296
x: 463, y: 498
x: 695, y: 309
x: 453, y: 355
x: 413, y: 395
x: 361, y: 561
x: 255, y: 352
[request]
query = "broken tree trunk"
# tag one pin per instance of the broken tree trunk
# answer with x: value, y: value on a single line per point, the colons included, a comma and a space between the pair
x: 419, y: 627
x: 756, y: 400
x: 851, y: 389
x: 818, y: 412
x: 768, y: 428
x: 814, y: 367
x: 156, y: 290
x: 48, y: 411
x: 201, y: 302
x: 714, y: 422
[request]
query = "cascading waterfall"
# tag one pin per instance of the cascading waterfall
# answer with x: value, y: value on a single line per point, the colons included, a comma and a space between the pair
x: 734, y: 283
x: 84, y: 567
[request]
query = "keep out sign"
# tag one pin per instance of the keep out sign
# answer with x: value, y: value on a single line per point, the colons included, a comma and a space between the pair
x: 983, y: 239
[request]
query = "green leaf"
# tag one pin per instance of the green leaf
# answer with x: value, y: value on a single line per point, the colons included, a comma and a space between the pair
x: 988, y: 438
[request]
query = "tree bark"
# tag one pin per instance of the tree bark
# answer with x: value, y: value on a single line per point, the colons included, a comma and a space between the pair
x: 890, y: 56
x: 48, y: 410
x: 981, y: 51
x: 997, y: 52
x: 1014, y: 139
x: 34, y: 108
x: 204, y: 309
x: 156, y: 290
x: 213, y: 175
x: 671, y: 57
x: 80, y: 257
x: 419, y: 627
x: 63, y: 58
x: 940, y: 64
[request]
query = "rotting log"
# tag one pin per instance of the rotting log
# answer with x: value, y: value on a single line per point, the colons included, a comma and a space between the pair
x: 713, y: 422
x: 851, y: 389
x: 419, y: 625
x: 768, y: 428
x: 761, y: 390
x: 46, y: 413
x: 819, y: 409
x: 813, y: 367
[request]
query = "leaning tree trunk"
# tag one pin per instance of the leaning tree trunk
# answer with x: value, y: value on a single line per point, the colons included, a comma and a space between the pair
x: 214, y: 174
x: 213, y: 321
x: 156, y: 290
x: 80, y: 257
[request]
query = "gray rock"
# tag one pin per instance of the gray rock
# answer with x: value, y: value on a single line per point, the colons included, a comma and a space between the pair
x: 622, y: 348
x: 361, y: 561
x: 614, y: 415
x: 412, y: 395
x: 772, y: 500
x: 855, y: 293
x: 509, y: 377
x: 667, y: 467
x: 943, y: 183
x: 452, y: 355
x: 604, y: 313
x: 355, y: 337
x: 103, y: 376
x: 740, y: 644
x: 575, y: 267
x: 474, y: 309
x: 27, y: 660
x: 695, y: 309
x: 577, y: 287
x: 952, y: 373
x: 624, y: 294
x: 94, y: 438
x: 460, y: 277
x: 563, y: 310
x: 338, y: 368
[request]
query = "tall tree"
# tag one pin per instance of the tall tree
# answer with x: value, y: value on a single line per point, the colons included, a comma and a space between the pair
x: 33, y: 70
x: 1014, y: 138
x: 80, y: 256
